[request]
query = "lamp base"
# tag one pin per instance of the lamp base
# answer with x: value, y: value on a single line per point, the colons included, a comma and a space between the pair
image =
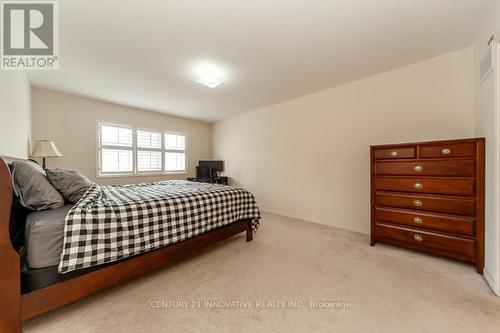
x: 43, y: 163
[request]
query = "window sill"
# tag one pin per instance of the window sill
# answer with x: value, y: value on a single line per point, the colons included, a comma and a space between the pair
x: 134, y: 175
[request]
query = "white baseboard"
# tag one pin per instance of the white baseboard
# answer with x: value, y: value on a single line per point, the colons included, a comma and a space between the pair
x: 491, y: 282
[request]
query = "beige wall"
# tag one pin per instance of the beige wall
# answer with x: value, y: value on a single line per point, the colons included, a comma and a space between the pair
x: 487, y: 124
x: 71, y: 122
x: 309, y: 157
x: 14, y: 114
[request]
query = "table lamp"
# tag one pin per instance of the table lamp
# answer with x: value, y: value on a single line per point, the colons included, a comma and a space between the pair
x: 45, y: 148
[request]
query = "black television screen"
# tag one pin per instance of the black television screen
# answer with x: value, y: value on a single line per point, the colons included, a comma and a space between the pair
x: 215, y: 165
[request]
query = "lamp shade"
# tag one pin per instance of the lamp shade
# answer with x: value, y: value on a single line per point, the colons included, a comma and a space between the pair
x: 45, y: 148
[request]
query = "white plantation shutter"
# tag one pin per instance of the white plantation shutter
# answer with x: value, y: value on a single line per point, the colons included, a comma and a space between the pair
x: 115, y: 149
x: 175, y: 141
x: 116, y: 136
x: 116, y: 160
x: 175, y: 161
x: 148, y: 151
x: 175, y: 152
x: 148, y: 139
x: 148, y: 160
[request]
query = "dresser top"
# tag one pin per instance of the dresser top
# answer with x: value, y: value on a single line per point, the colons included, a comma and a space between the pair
x: 430, y: 143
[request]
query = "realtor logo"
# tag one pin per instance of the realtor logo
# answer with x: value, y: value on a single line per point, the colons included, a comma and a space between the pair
x: 30, y: 35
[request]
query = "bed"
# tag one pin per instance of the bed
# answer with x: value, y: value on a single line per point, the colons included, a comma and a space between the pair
x: 57, y: 256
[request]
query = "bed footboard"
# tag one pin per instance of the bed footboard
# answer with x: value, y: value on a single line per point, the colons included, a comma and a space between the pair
x: 10, y: 271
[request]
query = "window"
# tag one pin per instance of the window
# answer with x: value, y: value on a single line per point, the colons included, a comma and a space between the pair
x: 175, y: 152
x: 126, y: 150
x: 148, y: 151
x: 116, y: 149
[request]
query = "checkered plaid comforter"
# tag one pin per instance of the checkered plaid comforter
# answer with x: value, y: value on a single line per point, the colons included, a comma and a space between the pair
x: 119, y: 221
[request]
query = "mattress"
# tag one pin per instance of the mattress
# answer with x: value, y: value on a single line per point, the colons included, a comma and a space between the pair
x: 44, y: 237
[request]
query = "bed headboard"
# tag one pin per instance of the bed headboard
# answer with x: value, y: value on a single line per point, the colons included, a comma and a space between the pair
x: 12, y: 214
x: 10, y: 260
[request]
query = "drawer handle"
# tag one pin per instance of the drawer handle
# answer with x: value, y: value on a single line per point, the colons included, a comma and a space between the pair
x: 394, y: 153
x: 417, y: 203
x: 418, y: 238
x: 418, y: 168
x: 418, y: 186
x: 445, y: 151
x: 417, y: 220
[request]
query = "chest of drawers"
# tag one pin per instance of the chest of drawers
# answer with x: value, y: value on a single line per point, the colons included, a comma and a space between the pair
x: 429, y: 196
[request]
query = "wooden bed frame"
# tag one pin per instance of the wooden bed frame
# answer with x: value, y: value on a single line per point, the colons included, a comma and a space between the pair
x: 16, y: 307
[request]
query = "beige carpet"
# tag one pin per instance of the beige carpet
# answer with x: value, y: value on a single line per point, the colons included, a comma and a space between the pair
x: 290, y: 261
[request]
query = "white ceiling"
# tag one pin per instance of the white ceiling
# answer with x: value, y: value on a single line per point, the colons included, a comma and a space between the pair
x: 141, y: 53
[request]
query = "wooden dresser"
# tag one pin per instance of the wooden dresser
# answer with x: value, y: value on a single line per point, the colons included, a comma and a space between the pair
x: 429, y: 196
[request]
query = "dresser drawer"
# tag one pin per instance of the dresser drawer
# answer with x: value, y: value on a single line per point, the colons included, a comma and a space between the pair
x: 462, y: 168
x: 440, y: 222
x: 456, y: 247
x: 433, y: 203
x: 450, y: 186
x: 394, y: 153
x: 453, y: 150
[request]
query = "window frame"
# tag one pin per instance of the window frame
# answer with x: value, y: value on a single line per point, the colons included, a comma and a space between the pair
x: 135, y: 155
x: 165, y: 150
x: 100, y: 148
x: 135, y: 149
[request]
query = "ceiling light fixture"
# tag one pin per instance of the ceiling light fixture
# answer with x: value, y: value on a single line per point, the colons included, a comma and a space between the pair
x: 209, y: 79
x: 210, y: 76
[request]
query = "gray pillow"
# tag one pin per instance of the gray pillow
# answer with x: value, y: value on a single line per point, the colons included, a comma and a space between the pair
x: 71, y: 184
x: 33, y: 188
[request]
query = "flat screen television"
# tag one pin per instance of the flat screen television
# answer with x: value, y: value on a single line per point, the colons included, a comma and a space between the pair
x: 215, y: 165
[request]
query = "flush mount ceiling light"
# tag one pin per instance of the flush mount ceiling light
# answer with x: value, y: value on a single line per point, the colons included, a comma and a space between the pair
x: 209, y: 79
x: 210, y: 75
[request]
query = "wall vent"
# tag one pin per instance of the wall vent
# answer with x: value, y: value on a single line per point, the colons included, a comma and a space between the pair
x: 488, y: 62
